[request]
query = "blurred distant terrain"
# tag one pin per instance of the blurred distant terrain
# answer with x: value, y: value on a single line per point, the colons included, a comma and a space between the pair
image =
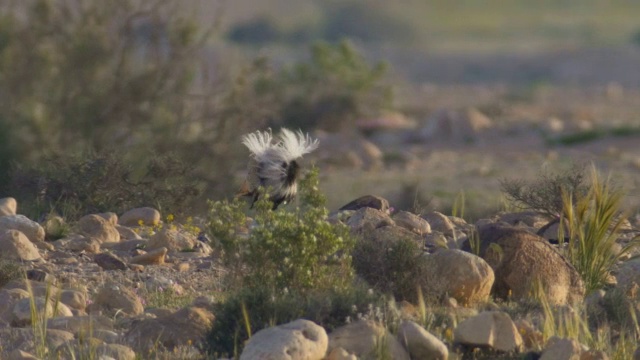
x: 425, y: 101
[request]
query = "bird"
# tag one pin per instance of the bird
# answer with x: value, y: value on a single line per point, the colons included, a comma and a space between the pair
x: 274, y: 165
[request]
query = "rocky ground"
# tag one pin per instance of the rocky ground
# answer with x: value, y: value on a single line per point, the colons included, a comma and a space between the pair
x: 134, y: 286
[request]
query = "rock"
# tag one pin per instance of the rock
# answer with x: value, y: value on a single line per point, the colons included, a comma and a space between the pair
x: 109, y: 261
x: 412, y: 222
x: 81, y: 325
x: 45, y: 308
x: 628, y: 274
x: 145, y: 215
x: 439, y: 222
x: 8, y: 206
x: 116, y: 351
x: 111, y: 217
x: 127, y: 233
x: 54, y: 227
x: 394, y: 233
x: 348, y: 149
x: 299, y: 339
x: 79, y: 243
x: 515, y: 260
x: 113, y: 298
x: 363, y: 336
x: 530, y: 219
x: 368, y: 218
x: 458, y: 125
x: 25, y: 340
x: 31, y: 229
x: 8, y: 299
x: 98, y: 228
x: 189, y: 325
x: 74, y: 299
x: 154, y: 257
x: 14, y: 245
x: 420, y: 343
x: 371, y: 201
x: 18, y: 354
x: 561, y: 349
x: 469, y: 281
x: 340, y: 354
x: 172, y: 239
x: 40, y: 276
x: 531, y: 337
x: 493, y: 329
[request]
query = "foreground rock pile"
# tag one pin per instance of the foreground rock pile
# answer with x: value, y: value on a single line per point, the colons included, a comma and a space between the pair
x: 94, y: 284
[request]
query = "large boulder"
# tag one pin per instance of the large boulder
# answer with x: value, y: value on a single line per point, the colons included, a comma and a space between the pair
x: 492, y: 329
x: 98, y: 228
x: 420, y: 343
x: 172, y: 239
x: 458, y: 274
x: 186, y: 326
x: 412, y: 222
x: 113, y: 298
x: 362, y: 337
x: 8, y: 206
x: 297, y: 340
x: 367, y: 218
x: 15, y: 245
x: 145, y: 215
x: 523, y: 262
x: 34, y: 232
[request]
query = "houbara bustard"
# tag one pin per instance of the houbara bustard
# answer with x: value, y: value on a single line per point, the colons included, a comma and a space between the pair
x: 274, y: 166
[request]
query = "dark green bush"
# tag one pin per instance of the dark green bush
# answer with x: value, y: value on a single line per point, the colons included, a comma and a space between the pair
x: 74, y: 186
x: 296, y: 249
x: 257, y: 308
x: 389, y: 265
x: 336, y: 87
x: 10, y: 270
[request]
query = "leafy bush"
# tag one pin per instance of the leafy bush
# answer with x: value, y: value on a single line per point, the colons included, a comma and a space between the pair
x: 545, y: 194
x: 253, y: 309
x: 593, y: 225
x: 331, y: 91
x: 390, y: 265
x: 10, y: 270
x: 97, y: 182
x: 284, y: 250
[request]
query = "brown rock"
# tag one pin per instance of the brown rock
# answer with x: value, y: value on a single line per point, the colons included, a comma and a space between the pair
x: 145, y: 215
x: 113, y: 298
x: 154, y: 257
x: 492, y: 329
x: 186, y: 326
x: 518, y: 265
x: 371, y: 201
x: 362, y: 337
x: 8, y: 206
x: 98, y: 228
x: 109, y: 261
x: 16, y: 246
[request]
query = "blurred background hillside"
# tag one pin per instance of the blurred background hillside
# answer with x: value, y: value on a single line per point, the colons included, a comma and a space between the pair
x: 109, y: 105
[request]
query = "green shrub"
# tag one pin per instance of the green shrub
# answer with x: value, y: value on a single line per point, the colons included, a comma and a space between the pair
x: 545, y: 194
x: 333, y: 90
x: 97, y: 182
x: 390, y: 265
x: 10, y: 270
x: 253, y: 309
x: 593, y: 226
x: 296, y: 249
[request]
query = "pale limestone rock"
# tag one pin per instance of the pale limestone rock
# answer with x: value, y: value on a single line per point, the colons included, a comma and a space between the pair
x: 297, y: 340
x: 469, y: 281
x: 154, y: 257
x: 8, y: 206
x: 172, y: 239
x: 15, y: 245
x: 440, y: 222
x: 420, y: 343
x: 98, y: 228
x: 112, y: 298
x: 145, y: 215
x: 188, y: 325
x: 361, y: 338
x: 34, y: 232
x: 492, y: 329
x: 412, y: 222
x: 561, y: 349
